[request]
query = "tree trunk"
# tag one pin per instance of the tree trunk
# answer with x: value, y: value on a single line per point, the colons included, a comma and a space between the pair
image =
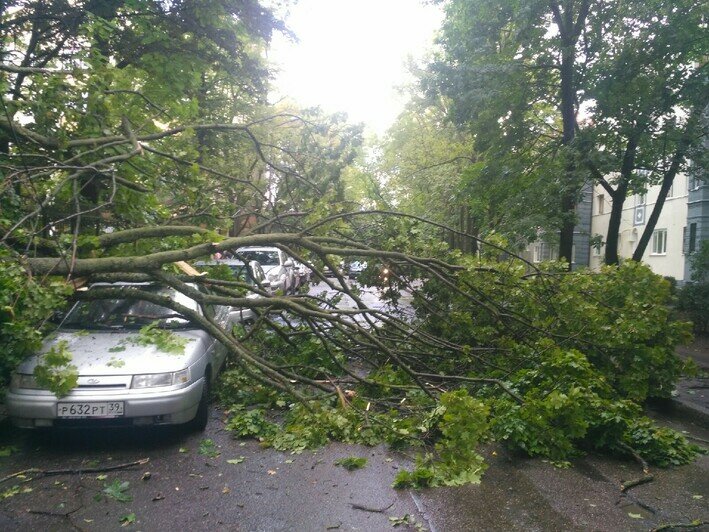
x: 568, y: 196
x: 619, y: 195
x: 652, y: 221
x: 569, y: 32
x: 669, y: 177
x: 618, y: 198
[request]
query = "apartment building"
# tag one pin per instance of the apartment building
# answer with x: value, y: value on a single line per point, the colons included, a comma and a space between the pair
x: 682, y: 225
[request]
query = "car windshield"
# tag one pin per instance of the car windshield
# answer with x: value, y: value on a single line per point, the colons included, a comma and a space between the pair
x: 241, y: 274
x: 264, y: 258
x: 130, y: 313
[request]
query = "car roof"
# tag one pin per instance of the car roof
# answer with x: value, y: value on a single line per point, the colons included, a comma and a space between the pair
x: 216, y: 262
x: 131, y: 284
x: 257, y: 248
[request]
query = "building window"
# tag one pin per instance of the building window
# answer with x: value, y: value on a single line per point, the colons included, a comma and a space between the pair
x: 692, y: 244
x: 601, y: 203
x: 538, y: 246
x: 639, y: 215
x: 693, y: 183
x: 544, y: 252
x: 659, y: 242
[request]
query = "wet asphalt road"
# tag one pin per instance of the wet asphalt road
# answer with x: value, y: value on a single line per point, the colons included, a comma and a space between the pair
x: 188, y: 484
x: 239, y: 486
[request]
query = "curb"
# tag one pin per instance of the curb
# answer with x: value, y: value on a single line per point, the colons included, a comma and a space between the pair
x: 695, y: 413
x: 674, y: 407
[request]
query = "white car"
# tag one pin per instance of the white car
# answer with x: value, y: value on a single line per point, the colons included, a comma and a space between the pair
x: 356, y: 268
x: 279, y: 268
x: 124, y: 380
x: 252, y: 274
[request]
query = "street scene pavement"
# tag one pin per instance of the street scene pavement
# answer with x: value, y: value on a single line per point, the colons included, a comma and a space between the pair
x: 169, y: 480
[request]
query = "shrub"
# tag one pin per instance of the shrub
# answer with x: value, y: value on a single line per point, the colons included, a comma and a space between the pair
x: 693, y: 302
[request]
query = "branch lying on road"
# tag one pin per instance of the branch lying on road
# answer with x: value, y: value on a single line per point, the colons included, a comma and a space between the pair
x: 672, y: 526
x: 53, y: 472
x: 647, y: 476
x: 356, y: 506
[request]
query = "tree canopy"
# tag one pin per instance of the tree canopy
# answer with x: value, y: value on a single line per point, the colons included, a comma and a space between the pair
x: 575, y: 93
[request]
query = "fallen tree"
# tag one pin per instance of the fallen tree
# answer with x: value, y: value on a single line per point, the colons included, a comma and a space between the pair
x: 548, y: 362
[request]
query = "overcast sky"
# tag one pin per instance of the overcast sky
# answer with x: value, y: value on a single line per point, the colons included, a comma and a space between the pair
x: 351, y: 55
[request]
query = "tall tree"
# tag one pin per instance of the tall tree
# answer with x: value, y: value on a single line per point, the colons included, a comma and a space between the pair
x: 604, y: 92
x: 647, y: 90
x: 130, y: 76
x: 511, y: 71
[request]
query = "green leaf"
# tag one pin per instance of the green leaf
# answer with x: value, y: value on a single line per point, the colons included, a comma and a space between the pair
x: 208, y: 448
x: 351, y: 463
x: 14, y: 490
x: 54, y: 371
x: 235, y: 460
x: 163, y: 339
x: 118, y: 490
x: 128, y: 519
x: 7, y: 450
x: 635, y: 516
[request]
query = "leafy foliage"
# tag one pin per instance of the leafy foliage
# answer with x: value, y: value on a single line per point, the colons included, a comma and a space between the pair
x: 693, y: 297
x: 352, y: 463
x: 139, y: 125
x: 118, y: 490
x: 163, y: 339
x: 208, y: 448
x: 55, y: 371
x: 585, y: 91
x: 693, y: 302
x: 26, y: 303
x: 577, y: 354
x: 462, y: 424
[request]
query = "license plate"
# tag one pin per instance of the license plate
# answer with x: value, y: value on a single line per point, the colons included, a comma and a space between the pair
x: 88, y: 410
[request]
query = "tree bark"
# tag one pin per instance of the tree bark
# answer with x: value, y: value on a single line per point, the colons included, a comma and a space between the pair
x: 618, y: 198
x: 619, y: 195
x: 652, y: 221
x: 569, y: 32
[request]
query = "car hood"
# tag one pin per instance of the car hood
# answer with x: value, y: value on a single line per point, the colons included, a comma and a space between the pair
x: 117, y: 353
x: 269, y: 269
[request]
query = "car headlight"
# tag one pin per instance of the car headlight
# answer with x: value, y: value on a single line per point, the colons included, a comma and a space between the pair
x: 24, y: 381
x: 155, y: 380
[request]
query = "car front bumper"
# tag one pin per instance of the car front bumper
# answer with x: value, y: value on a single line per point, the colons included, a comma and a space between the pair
x: 38, y: 408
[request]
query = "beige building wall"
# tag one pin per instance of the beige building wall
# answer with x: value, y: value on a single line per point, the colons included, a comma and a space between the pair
x: 665, y: 252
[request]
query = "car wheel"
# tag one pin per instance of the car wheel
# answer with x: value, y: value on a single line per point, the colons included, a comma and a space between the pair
x: 199, y: 423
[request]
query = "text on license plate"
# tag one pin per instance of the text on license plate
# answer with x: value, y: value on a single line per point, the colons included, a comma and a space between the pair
x: 102, y: 409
